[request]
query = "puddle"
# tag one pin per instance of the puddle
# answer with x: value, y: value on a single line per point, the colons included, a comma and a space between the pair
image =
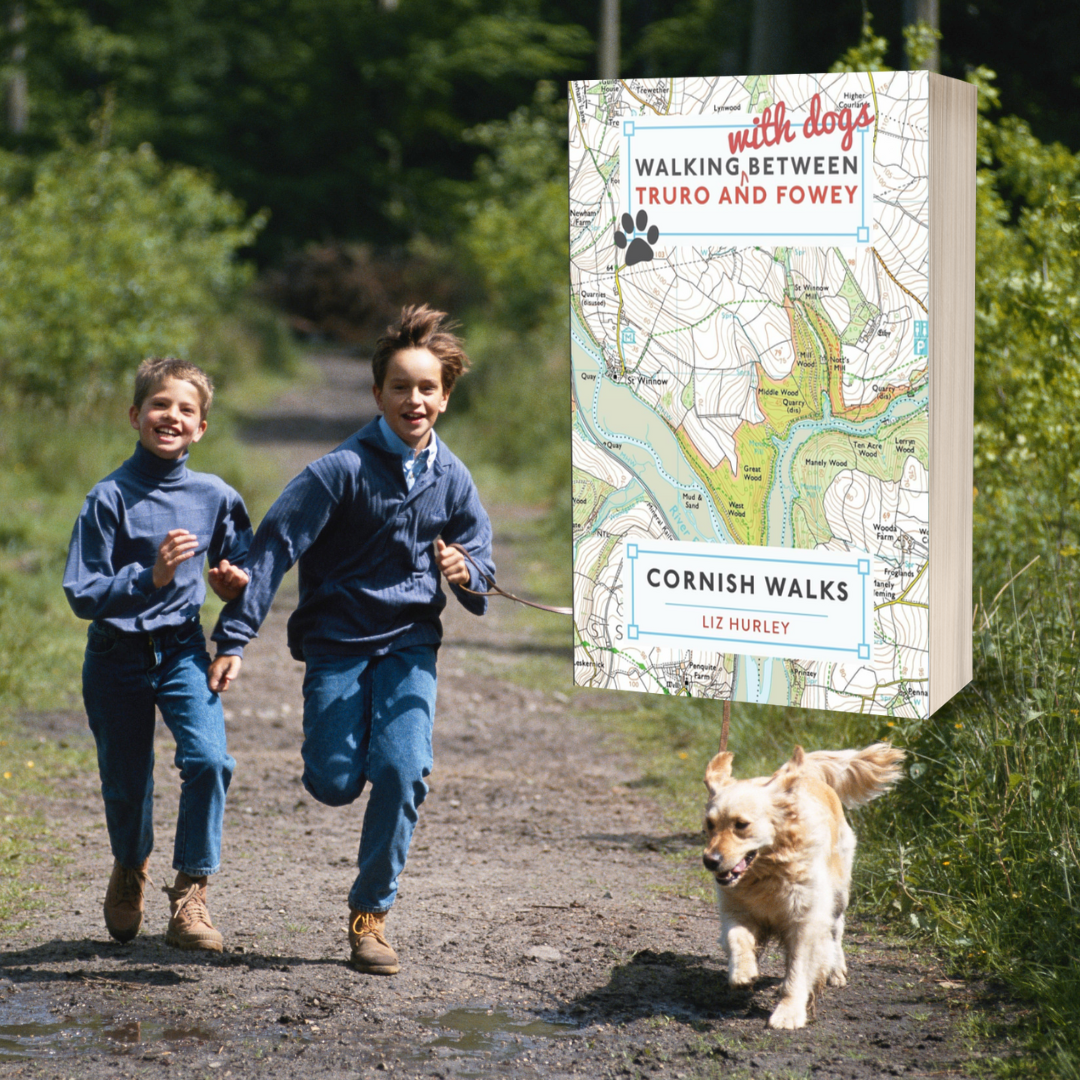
x: 488, y: 1033
x: 30, y: 1030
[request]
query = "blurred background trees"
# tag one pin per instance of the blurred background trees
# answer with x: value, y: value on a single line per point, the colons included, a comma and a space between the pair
x: 388, y: 150
x: 348, y: 118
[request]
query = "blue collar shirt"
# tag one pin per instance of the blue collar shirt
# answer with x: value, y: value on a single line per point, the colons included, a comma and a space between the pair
x: 413, y: 462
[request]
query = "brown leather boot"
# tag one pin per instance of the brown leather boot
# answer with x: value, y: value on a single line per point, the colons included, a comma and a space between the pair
x: 371, y: 952
x: 124, y: 900
x: 190, y: 926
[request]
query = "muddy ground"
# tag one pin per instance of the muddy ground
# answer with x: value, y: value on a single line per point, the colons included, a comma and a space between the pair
x: 543, y: 923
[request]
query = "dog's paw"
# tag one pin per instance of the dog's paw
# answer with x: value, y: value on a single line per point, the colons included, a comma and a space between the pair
x: 742, y: 971
x: 837, y: 978
x: 788, y: 1015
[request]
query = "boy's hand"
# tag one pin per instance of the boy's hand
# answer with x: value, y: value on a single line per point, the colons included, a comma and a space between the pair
x: 178, y: 546
x: 451, y: 563
x: 223, y: 669
x: 227, y: 581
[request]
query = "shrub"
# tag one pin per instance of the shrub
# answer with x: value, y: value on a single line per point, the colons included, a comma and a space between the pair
x: 109, y: 257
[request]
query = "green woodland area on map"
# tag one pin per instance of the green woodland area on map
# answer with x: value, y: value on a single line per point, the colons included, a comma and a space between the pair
x: 818, y: 368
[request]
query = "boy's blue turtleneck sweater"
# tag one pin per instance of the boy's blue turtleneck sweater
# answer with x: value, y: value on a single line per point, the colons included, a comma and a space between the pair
x: 114, y: 545
x: 365, y: 541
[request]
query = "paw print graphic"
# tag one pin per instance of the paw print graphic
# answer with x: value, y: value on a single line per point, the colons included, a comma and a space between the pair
x: 640, y: 249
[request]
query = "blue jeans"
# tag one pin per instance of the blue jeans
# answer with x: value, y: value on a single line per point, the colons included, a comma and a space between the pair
x: 368, y: 719
x: 124, y: 677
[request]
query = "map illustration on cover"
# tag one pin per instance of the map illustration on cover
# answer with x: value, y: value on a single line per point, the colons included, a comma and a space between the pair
x: 749, y: 344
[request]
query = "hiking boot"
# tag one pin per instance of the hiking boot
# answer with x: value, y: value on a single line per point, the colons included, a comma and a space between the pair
x: 124, y: 900
x: 190, y: 926
x: 371, y: 952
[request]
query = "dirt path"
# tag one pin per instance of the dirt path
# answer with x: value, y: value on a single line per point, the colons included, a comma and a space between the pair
x: 539, y: 923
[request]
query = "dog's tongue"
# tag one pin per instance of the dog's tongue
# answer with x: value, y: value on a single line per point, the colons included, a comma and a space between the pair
x: 739, y: 867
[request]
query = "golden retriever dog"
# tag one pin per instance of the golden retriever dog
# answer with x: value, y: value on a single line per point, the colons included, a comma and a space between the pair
x: 781, y: 849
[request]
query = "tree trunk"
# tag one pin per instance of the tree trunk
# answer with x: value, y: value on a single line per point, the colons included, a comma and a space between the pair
x: 770, y: 38
x: 15, y: 93
x: 924, y: 11
x: 608, y: 47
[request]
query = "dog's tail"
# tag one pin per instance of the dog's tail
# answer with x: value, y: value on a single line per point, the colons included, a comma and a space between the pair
x: 857, y: 776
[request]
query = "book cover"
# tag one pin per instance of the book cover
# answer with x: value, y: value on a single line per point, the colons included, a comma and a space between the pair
x: 751, y: 344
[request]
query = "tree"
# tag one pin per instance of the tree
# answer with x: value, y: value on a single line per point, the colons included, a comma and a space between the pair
x: 343, y: 117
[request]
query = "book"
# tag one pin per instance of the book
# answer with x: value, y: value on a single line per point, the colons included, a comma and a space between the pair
x: 772, y: 338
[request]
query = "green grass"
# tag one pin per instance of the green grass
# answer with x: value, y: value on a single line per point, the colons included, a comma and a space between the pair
x: 979, y: 851
x: 30, y: 766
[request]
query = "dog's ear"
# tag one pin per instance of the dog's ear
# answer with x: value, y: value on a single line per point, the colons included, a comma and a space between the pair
x: 718, y: 772
x: 787, y: 776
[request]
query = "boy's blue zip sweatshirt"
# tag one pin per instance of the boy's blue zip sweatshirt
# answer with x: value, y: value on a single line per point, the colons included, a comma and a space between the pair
x: 126, y: 516
x: 369, y: 582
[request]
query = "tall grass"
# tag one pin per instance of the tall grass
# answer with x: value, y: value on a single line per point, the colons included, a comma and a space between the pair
x: 980, y: 849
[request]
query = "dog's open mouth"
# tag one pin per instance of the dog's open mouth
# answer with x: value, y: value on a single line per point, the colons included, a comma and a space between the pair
x: 732, y: 876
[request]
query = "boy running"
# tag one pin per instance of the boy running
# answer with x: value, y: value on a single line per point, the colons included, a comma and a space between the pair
x: 371, y: 524
x: 134, y: 568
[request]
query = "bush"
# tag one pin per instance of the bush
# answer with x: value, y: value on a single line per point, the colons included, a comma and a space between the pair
x: 516, y: 241
x: 109, y: 257
x: 1027, y: 351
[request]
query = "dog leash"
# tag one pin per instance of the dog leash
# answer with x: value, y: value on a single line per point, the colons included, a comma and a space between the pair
x: 495, y: 590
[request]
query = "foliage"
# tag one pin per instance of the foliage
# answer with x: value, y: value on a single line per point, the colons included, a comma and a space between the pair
x: 516, y: 239
x: 1027, y: 386
x: 701, y: 37
x: 517, y: 211
x: 868, y: 54
x: 345, y: 118
x: 981, y: 850
x: 111, y: 257
x: 920, y: 41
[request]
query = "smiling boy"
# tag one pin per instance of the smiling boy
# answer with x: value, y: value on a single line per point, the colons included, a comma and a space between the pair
x: 134, y: 568
x: 372, y: 524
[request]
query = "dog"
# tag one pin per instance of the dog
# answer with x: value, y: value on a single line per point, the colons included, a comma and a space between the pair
x: 781, y: 850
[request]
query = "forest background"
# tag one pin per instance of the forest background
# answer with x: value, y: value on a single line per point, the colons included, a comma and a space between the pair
x: 216, y: 180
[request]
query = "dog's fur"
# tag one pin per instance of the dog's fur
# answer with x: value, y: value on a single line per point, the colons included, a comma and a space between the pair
x: 781, y: 849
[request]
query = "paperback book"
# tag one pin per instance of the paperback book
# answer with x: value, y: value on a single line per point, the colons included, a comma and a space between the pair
x: 772, y: 311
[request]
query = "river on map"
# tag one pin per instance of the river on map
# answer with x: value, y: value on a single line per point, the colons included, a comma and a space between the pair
x: 623, y: 425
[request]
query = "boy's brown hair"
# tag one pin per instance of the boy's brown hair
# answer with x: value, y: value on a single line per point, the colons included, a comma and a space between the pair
x: 422, y: 327
x: 154, y: 370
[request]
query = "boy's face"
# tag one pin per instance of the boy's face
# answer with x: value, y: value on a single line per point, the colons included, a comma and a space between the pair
x: 170, y: 418
x: 412, y: 396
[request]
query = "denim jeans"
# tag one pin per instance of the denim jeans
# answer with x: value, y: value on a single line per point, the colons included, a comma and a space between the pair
x: 124, y: 677
x: 368, y: 719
